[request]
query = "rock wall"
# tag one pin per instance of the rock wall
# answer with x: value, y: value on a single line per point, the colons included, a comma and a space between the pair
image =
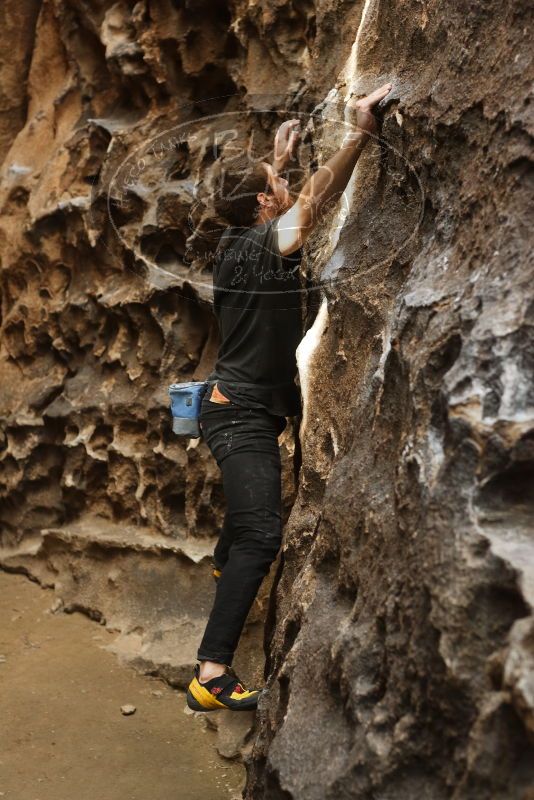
x: 101, y: 309
x: 399, y: 637
x: 401, y: 656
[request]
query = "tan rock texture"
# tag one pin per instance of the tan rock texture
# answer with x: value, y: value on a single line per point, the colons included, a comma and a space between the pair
x: 399, y: 640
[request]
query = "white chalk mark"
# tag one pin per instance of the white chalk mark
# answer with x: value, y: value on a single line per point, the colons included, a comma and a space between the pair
x: 350, y: 76
x: 305, y: 358
x: 310, y: 343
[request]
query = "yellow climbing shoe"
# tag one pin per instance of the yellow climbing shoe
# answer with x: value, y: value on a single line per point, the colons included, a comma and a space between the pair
x: 224, y: 691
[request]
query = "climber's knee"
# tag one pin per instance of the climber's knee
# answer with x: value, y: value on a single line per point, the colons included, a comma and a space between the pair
x: 271, y: 545
x: 264, y: 540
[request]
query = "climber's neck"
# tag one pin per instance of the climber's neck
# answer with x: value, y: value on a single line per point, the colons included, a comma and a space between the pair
x: 266, y: 215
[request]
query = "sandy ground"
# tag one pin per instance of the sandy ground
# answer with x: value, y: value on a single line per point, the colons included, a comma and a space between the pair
x: 62, y: 733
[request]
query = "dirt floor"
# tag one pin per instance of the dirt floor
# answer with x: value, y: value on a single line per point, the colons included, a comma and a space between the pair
x: 62, y: 733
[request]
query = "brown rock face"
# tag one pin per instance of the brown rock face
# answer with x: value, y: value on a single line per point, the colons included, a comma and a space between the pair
x: 101, y: 311
x: 401, y: 659
x: 400, y: 637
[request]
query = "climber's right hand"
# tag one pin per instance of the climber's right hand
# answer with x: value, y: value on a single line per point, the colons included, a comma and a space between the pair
x: 365, y: 121
x: 330, y: 180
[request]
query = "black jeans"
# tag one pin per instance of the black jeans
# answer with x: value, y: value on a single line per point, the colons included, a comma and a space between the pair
x: 244, y: 442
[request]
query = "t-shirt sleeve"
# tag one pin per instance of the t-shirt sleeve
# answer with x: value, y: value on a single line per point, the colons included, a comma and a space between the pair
x: 263, y: 248
x: 261, y: 252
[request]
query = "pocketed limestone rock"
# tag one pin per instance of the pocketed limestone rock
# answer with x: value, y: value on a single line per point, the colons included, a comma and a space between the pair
x: 394, y: 632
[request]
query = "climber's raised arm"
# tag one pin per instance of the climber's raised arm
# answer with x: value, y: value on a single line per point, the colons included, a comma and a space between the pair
x: 285, y: 144
x: 331, y: 179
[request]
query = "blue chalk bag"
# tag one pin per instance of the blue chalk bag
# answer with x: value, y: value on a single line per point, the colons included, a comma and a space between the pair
x: 186, y: 399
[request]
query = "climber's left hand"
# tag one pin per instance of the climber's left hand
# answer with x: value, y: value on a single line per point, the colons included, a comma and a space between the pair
x: 286, y: 143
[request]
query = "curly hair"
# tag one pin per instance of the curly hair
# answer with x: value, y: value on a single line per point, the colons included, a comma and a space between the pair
x: 239, y: 184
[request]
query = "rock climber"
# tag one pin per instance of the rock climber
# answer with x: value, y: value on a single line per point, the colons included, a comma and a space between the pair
x: 257, y: 302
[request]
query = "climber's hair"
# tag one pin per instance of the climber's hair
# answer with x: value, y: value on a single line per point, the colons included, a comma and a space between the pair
x: 239, y: 183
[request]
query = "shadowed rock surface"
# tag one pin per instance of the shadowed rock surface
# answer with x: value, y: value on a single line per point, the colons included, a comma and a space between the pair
x: 399, y: 637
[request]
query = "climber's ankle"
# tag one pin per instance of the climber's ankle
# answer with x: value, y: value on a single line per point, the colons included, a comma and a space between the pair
x: 210, y: 669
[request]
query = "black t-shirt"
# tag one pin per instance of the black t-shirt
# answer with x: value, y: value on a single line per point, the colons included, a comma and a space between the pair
x: 258, y: 304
